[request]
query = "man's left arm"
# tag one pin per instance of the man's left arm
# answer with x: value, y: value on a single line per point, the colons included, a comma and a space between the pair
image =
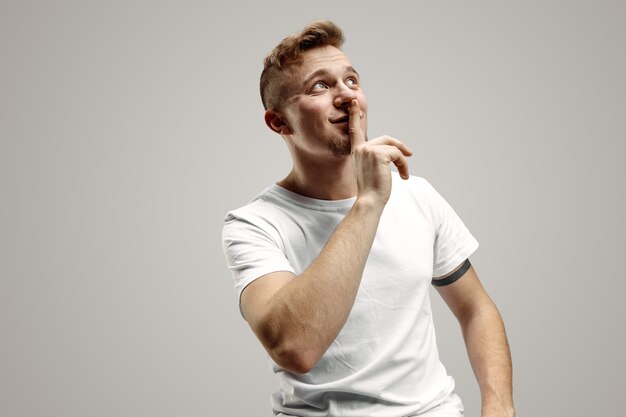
x: 485, y: 339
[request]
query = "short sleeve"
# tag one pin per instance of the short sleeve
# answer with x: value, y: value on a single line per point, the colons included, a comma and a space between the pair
x: 252, y: 248
x: 453, y: 241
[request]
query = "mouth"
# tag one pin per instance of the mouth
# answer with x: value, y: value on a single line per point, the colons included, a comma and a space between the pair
x: 340, y: 119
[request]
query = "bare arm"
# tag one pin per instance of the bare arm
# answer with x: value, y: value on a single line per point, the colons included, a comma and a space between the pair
x: 297, y: 319
x: 486, y: 342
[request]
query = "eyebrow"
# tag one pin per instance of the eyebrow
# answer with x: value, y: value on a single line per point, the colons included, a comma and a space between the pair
x: 322, y: 71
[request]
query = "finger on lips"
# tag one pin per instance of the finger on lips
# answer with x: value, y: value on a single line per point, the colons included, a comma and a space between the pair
x: 397, y: 150
x: 354, y: 124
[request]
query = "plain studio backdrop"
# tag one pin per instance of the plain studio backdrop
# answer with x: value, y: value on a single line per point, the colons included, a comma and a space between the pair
x: 130, y: 128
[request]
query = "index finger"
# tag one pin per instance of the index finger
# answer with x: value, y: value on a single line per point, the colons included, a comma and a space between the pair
x: 355, y: 130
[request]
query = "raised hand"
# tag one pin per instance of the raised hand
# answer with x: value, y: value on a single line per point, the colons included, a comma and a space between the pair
x: 372, y: 158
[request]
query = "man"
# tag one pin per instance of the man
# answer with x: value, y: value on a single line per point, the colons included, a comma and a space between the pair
x: 333, y: 263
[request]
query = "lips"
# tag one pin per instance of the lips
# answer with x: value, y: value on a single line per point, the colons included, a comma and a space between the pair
x: 340, y: 119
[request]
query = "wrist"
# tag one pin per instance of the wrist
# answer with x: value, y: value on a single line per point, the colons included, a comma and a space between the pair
x: 370, y: 203
x: 497, y: 409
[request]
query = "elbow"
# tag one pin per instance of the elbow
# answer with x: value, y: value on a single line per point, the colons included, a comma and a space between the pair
x: 288, y: 346
x: 293, y: 358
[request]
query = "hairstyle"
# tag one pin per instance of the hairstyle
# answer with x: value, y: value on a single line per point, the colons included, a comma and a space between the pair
x: 289, y: 51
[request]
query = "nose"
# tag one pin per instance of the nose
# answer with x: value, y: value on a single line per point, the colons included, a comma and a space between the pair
x: 344, y: 95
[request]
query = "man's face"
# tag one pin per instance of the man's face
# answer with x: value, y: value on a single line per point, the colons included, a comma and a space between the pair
x: 321, y: 87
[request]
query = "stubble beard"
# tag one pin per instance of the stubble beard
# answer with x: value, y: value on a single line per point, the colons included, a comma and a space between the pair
x: 340, y: 146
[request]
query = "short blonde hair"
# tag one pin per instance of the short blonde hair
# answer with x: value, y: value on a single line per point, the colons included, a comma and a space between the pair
x: 289, y: 51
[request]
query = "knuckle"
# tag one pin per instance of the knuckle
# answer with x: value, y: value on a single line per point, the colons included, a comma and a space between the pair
x: 368, y: 152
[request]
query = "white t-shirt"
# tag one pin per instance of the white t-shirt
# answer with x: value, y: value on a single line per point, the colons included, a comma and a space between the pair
x: 384, y: 362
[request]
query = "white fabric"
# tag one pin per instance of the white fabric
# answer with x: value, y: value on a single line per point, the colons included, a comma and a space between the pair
x: 384, y: 362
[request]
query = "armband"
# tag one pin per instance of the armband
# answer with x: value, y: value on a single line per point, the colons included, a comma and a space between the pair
x: 454, y: 276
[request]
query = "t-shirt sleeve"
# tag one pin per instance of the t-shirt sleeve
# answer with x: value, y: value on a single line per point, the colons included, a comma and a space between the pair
x: 453, y: 241
x: 252, y: 248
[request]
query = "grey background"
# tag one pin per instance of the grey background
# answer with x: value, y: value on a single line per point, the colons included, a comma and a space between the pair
x: 129, y: 128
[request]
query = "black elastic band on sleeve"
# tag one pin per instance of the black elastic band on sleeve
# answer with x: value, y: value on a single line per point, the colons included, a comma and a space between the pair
x: 455, y: 276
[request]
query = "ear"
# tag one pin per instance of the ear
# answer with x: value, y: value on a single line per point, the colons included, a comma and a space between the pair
x: 276, y: 122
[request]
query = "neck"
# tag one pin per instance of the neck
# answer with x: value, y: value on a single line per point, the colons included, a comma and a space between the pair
x: 333, y: 180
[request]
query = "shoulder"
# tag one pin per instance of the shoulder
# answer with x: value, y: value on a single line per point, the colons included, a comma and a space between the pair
x: 419, y: 193
x: 273, y: 214
x: 258, y: 216
x: 415, y: 188
x: 260, y: 207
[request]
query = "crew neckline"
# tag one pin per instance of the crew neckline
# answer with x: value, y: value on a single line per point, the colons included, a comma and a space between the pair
x: 309, y: 202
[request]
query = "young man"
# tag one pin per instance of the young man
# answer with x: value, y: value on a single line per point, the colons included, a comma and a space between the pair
x: 333, y: 263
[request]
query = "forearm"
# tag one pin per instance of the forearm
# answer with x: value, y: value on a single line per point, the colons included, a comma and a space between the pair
x: 309, y: 312
x: 490, y: 357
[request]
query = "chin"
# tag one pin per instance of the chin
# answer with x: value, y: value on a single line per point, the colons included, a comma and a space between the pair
x: 340, y: 146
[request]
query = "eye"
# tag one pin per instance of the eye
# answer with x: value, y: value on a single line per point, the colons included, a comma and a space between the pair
x: 320, y: 85
x: 351, y: 82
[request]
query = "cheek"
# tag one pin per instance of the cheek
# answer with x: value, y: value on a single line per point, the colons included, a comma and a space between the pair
x: 313, y: 115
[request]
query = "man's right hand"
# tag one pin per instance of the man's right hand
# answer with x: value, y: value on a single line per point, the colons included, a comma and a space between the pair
x: 372, y: 158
